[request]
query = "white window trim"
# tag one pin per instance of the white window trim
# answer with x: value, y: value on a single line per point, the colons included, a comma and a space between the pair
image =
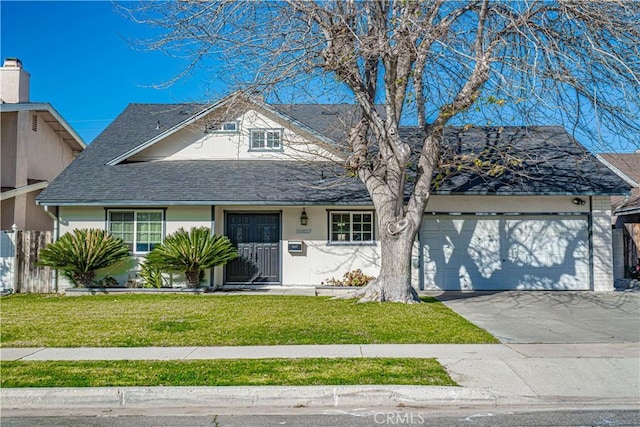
x: 351, y: 242
x: 265, y: 130
x: 219, y: 128
x: 135, y: 225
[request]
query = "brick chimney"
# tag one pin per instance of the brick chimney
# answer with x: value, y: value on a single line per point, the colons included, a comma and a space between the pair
x: 14, y: 82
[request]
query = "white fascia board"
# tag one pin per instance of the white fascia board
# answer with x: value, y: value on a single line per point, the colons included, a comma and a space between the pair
x: 259, y: 105
x: 169, y: 132
x: 165, y: 203
x: 161, y: 136
x: 5, y: 195
x: 618, y: 172
x: 45, y: 107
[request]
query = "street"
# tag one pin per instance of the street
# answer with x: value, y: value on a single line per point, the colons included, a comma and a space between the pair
x: 481, y: 417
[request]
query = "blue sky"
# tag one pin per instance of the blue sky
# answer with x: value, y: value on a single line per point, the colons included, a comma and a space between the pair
x: 81, y: 61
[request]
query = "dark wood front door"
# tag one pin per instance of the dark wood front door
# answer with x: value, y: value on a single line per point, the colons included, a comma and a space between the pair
x: 257, y: 237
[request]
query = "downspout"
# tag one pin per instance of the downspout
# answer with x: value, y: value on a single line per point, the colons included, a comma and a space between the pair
x: 56, y: 235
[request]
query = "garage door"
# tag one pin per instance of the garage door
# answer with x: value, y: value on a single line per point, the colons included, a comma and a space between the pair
x: 498, y: 252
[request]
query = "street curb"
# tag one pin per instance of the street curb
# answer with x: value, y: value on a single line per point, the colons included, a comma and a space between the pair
x: 263, y: 396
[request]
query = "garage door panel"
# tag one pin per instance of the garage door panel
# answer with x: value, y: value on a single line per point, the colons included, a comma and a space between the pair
x: 524, y: 252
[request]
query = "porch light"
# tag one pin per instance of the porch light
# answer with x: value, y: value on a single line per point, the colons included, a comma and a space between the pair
x: 304, y: 219
x: 578, y: 201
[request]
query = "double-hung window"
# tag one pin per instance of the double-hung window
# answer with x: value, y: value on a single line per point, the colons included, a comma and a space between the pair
x: 266, y: 139
x: 141, y: 230
x: 355, y: 226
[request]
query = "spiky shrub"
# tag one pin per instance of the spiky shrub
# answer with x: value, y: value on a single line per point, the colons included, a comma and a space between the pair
x: 192, y: 252
x: 151, y: 275
x: 80, y: 253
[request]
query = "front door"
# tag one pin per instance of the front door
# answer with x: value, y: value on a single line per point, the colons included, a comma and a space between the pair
x: 257, y: 237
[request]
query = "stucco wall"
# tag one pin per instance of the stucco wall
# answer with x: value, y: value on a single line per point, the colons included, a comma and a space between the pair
x: 506, y: 204
x: 320, y: 261
x: 193, y: 143
x: 30, y: 155
x: 47, y: 154
x: 8, y: 138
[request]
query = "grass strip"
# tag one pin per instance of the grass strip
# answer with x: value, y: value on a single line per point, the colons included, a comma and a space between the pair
x: 220, y: 320
x: 237, y: 372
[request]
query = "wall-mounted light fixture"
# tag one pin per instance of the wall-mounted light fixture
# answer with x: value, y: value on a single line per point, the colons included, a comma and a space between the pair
x: 578, y: 201
x: 304, y: 219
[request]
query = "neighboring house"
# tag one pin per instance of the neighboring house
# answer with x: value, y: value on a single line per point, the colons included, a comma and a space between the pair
x: 264, y: 175
x: 626, y: 212
x: 37, y: 144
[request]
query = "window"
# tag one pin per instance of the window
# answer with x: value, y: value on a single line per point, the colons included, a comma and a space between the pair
x: 225, y: 127
x: 229, y: 127
x: 354, y: 226
x: 266, y: 139
x: 141, y: 231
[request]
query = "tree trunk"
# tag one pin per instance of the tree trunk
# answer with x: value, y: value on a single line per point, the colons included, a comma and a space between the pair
x: 393, y: 284
x: 84, y: 280
x: 193, y: 278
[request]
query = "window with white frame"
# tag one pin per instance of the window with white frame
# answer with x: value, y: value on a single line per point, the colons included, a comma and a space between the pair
x: 229, y: 127
x: 141, y: 230
x: 266, y: 139
x: 350, y: 226
x: 224, y: 127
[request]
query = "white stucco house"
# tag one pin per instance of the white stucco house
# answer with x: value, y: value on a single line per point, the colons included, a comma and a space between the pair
x: 266, y: 176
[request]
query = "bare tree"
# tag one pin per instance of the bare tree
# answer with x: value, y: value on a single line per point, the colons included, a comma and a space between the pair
x: 429, y: 64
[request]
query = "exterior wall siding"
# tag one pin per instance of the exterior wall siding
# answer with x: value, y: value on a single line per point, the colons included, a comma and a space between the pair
x: 602, y: 244
x: 28, y: 155
x: 192, y: 143
x: 320, y: 260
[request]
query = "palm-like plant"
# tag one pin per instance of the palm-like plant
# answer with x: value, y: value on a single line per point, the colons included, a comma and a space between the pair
x: 80, y: 253
x: 192, y: 252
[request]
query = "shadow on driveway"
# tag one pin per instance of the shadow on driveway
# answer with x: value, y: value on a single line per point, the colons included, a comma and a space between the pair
x: 551, y: 317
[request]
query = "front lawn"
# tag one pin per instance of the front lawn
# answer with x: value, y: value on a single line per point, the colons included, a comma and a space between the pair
x: 218, y: 320
x: 251, y: 372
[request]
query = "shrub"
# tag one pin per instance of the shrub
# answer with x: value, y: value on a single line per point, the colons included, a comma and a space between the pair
x: 151, y: 276
x: 191, y: 253
x: 108, y: 282
x: 351, y: 278
x: 80, y: 253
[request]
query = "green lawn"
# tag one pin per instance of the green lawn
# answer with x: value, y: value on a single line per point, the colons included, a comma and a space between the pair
x: 216, y: 320
x: 257, y: 372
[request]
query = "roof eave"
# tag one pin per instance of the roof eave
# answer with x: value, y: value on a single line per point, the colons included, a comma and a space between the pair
x: 74, y: 140
x: 162, y: 203
x: 618, y: 172
x: 165, y: 134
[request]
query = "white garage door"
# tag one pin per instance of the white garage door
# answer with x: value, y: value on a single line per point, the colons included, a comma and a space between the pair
x: 482, y: 252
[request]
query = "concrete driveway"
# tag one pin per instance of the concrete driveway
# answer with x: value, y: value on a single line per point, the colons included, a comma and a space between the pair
x: 551, y: 317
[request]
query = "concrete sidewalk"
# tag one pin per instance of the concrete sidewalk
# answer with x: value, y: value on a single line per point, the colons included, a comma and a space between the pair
x: 563, y: 374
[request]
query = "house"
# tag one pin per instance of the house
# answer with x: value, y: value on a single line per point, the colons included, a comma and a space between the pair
x: 267, y: 177
x: 37, y: 144
x: 626, y: 212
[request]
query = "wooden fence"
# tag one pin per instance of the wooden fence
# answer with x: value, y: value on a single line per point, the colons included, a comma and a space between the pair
x: 631, y: 246
x: 23, y: 275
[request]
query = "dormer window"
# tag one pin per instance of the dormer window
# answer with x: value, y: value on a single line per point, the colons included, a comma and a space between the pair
x: 266, y: 140
x: 229, y: 127
x: 224, y: 127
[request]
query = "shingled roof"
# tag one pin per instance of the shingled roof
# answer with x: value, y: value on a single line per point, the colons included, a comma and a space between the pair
x: 627, y: 166
x: 550, y: 162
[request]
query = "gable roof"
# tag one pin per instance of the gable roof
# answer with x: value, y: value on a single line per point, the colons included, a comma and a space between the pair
x: 52, y: 117
x: 325, y: 134
x: 627, y: 166
x: 551, y: 162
